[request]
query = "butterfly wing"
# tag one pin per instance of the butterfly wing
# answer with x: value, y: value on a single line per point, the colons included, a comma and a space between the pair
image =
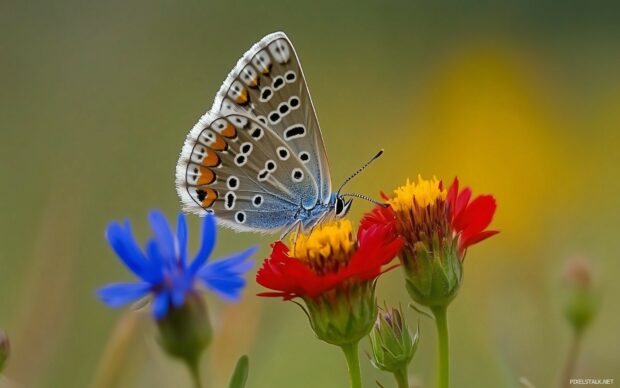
x: 268, y: 83
x: 239, y: 169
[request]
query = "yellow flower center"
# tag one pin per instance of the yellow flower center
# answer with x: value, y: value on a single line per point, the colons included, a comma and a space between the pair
x: 326, y: 248
x: 420, y: 209
x: 425, y: 192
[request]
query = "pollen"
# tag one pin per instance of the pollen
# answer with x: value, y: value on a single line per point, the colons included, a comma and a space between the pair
x: 327, y: 247
x: 423, y: 193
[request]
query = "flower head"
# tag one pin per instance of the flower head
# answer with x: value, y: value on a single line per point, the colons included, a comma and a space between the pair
x: 326, y: 258
x: 334, y: 272
x: 438, y: 226
x: 164, y: 270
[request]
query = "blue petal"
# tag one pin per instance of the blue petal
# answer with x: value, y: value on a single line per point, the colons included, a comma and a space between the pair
x: 225, y: 276
x: 119, y: 294
x: 228, y: 288
x: 155, y: 256
x: 122, y: 242
x: 233, y: 264
x: 163, y: 235
x: 161, y: 304
x: 207, y: 243
x: 182, y: 238
x: 181, y: 285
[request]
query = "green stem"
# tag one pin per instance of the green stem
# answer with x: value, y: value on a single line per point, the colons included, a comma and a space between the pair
x: 443, y: 347
x: 402, y: 378
x: 194, y: 370
x: 571, y: 360
x: 353, y: 363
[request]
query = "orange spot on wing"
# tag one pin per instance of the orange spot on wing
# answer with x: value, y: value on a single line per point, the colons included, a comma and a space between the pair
x: 242, y: 98
x: 218, y: 144
x: 211, y: 160
x: 254, y: 82
x: 229, y: 131
x: 206, y: 176
x: 206, y: 197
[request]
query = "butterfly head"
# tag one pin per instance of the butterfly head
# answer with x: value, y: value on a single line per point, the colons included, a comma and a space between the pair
x: 341, y: 205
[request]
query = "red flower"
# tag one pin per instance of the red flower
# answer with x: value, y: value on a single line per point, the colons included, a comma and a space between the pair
x: 327, y: 258
x: 470, y: 219
x: 466, y: 220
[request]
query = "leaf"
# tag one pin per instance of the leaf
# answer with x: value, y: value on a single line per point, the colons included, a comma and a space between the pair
x: 240, y: 375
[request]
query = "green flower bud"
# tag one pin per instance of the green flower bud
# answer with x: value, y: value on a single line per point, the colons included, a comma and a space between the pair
x: 433, y: 276
x: 393, y: 346
x: 343, y: 315
x: 186, y: 331
x: 5, y: 349
x: 581, y: 299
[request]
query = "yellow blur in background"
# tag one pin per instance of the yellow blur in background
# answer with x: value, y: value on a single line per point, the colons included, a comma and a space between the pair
x: 519, y: 99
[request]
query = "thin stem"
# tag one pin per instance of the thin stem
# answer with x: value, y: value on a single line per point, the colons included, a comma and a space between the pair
x: 353, y: 363
x: 194, y: 370
x: 571, y: 360
x: 443, y: 346
x: 402, y: 378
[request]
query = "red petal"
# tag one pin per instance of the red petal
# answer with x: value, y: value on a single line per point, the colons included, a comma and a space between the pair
x: 459, y: 208
x: 452, y: 194
x: 465, y: 242
x: 379, y: 215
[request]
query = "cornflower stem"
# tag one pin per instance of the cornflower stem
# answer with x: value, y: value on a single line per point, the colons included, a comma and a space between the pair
x: 353, y: 363
x: 571, y: 360
x: 194, y: 371
x: 402, y: 378
x: 443, y: 346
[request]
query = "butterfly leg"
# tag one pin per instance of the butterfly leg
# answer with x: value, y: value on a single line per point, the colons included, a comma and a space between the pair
x: 297, y: 231
x: 295, y: 225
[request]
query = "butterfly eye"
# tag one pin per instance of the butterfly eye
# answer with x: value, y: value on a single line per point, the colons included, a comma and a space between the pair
x: 339, y: 206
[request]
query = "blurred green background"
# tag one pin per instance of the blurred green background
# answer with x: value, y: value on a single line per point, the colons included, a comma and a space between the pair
x: 519, y: 99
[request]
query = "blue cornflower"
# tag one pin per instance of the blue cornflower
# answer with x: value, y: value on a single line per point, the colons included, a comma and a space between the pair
x: 163, y: 268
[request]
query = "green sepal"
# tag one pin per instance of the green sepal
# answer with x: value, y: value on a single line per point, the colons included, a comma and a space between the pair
x: 343, y: 315
x: 185, y: 331
x: 434, y: 274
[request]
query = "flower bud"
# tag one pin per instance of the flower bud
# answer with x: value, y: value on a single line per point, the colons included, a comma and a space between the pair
x: 393, y: 346
x: 343, y: 315
x: 433, y: 276
x: 5, y: 349
x: 185, y: 331
x: 582, y: 301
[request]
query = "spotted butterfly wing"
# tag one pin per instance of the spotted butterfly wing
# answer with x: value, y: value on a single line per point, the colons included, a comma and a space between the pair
x: 257, y: 157
x: 245, y: 174
x: 268, y: 82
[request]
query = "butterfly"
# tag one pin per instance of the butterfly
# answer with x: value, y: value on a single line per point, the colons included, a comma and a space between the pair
x: 256, y: 159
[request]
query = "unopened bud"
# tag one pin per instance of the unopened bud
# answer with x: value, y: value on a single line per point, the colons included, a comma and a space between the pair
x: 393, y: 346
x: 582, y: 300
x: 5, y: 349
x: 186, y: 331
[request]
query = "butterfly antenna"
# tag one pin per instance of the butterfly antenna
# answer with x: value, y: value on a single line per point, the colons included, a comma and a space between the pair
x: 359, y: 170
x: 362, y: 196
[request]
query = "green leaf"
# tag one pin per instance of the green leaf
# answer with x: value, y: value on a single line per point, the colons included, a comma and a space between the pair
x: 240, y: 375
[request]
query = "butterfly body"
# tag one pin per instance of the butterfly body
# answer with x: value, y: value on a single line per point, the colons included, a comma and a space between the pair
x: 256, y: 159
